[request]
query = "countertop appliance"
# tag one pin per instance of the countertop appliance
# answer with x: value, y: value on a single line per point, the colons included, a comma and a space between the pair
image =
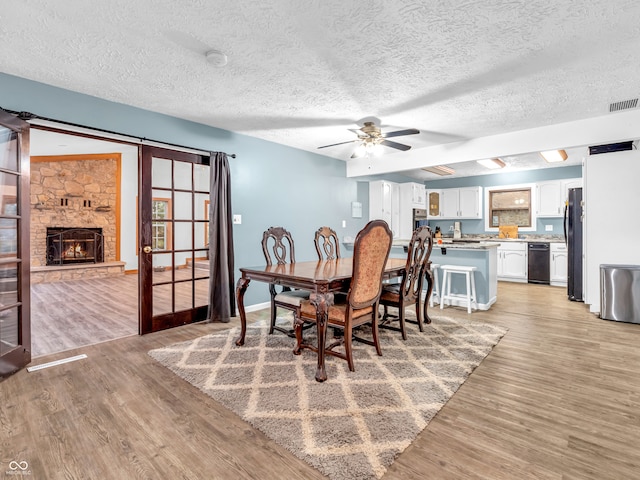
x: 538, y: 253
x: 573, y: 238
x: 620, y: 293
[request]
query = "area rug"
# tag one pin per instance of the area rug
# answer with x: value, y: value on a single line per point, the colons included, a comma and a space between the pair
x: 355, y: 424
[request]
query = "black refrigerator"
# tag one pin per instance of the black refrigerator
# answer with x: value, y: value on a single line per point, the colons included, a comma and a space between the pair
x: 573, y: 238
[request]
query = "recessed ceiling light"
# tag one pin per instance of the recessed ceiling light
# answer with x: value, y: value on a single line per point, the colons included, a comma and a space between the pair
x: 552, y: 156
x: 492, y: 163
x: 440, y: 170
x: 216, y: 58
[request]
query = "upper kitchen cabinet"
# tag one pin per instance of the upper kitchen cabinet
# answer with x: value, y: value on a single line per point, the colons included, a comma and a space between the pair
x: 461, y: 203
x: 434, y: 203
x: 384, y: 203
x: 551, y: 196
x: 412, y: 195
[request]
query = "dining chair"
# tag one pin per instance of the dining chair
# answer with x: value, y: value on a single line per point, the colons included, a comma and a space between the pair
x: 278, y: 248
x: 409, y: 290
x: 360, y: 307
x: 327, y: 244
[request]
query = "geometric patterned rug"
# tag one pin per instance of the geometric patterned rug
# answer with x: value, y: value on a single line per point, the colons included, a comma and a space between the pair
x: 356, y: 423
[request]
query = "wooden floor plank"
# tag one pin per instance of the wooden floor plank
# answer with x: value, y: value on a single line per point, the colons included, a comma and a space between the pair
x: 557, y: 398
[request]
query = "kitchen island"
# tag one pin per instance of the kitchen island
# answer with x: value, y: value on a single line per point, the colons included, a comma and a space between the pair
x: 480, y: 254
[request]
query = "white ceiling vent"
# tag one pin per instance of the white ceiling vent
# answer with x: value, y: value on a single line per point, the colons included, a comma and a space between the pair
x: 624, y: 105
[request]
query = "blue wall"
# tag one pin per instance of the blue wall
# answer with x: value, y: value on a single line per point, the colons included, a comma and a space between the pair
x: 500, y: 179
x: 270, y: 184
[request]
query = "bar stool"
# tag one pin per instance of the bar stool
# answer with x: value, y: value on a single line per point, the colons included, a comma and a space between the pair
x: 436, y: 284
x: 469, y: 296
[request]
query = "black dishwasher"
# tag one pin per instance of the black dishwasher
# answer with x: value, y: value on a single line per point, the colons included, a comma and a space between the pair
x: 539, y: 263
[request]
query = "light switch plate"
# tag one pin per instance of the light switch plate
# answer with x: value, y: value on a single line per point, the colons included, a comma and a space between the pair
x: 548, y: 228
x: 237, y: 219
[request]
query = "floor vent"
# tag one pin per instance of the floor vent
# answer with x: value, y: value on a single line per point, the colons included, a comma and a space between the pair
x: 624, y: 105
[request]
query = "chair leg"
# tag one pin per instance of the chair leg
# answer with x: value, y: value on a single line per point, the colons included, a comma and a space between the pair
x: 297, y: 326
x: 469, y: 293
x: 443, y: 288
x: 347, y: 347
x: 374, y: 331
x: 419, y: 313
x: 403, y: 330
x: 273, y: 317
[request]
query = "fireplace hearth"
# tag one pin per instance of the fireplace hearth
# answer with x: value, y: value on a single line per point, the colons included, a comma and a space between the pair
x: 69, y: 246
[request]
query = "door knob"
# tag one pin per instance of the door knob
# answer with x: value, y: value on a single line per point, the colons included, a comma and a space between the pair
x: 147, y: 249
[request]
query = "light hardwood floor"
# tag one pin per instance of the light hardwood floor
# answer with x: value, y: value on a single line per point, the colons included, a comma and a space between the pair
x: 558, y: 398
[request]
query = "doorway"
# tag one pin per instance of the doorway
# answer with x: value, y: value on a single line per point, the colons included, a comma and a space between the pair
x: 70, y: 311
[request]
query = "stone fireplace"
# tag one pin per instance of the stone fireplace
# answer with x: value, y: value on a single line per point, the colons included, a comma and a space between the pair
x: 82, y: 194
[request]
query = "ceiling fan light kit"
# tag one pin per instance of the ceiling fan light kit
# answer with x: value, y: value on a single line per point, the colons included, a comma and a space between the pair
x: 372, y: 139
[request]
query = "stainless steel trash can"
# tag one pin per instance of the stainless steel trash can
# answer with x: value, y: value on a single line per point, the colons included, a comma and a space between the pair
x: 620, y: 293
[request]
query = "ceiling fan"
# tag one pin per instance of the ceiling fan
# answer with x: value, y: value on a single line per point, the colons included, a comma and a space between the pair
x: 372, y: 139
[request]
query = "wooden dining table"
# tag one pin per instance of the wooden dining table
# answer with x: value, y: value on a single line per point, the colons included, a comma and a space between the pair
x: 322, y: 279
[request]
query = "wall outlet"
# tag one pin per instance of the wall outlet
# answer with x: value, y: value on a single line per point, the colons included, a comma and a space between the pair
x: 548, y: 228
x: 237, y: 219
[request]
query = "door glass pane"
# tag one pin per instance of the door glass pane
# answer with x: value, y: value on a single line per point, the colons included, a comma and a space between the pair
x: 201, y: 264
x: 8, y: 314
x: 162, y: 266
x: 184, y: 296
x: 8, y: 238
x: 182, y: 207
x: 202, y: 206
x: 8, y: 149
x: 202, y: 292
x: 182, y: 175
x: 183, y: 238
x: 161, y: 173
x: 201, y: 177
x: 202, y: 234
x: 162, y: 299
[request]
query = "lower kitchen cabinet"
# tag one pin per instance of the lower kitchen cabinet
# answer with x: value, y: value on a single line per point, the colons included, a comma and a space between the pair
x: 558, y: 264
x: 512, y: 262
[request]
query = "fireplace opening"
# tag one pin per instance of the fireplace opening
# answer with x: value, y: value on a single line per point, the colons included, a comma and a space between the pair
x: 74, y: 245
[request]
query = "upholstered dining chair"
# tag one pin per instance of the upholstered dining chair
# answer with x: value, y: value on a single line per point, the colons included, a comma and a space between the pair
x: 408, y: 291
x: 278, y: 248
x: 370, y: 254
x: 327, y: 243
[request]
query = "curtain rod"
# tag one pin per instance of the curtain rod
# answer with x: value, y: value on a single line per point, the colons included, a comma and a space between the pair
x: 31, y: 116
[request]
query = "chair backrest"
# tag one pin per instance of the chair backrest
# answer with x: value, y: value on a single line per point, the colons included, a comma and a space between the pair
x: 370, y: 254
x: 418, y: 254
x: 327, y: 244
x: 277, y: 241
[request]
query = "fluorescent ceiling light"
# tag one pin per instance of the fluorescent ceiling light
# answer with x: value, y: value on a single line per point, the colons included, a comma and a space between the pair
x: 492, y: 163
x: 440, y: 170
x: 552, y: 156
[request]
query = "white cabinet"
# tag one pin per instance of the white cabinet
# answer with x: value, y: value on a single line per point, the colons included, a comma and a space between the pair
x: 412, y: 195
x: 558, y: 264
x: 384, y: 203
x: 551, y: 196
x: 512, y: 261
x: 434, y: 204
x: 459, y: 203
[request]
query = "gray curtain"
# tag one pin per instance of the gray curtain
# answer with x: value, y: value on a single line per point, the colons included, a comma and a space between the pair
x: 222, y: 304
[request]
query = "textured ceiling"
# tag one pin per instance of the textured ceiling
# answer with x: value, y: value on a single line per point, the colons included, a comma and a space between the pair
x: 303, y: 73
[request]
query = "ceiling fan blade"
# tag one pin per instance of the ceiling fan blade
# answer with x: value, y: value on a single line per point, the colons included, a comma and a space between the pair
x: 396, y: 145
x: 399, y: 133
x: 341, y: 143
